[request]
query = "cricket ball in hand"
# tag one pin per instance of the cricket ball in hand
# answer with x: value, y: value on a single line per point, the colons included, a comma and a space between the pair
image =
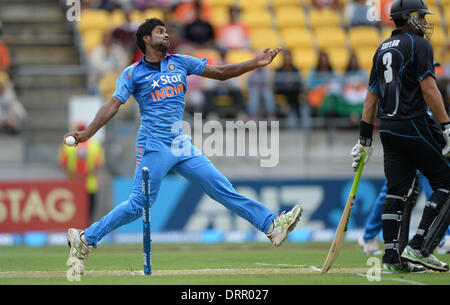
x: 70, y: 140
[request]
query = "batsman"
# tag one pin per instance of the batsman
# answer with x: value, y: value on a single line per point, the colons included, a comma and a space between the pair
x: 402, y: 90
x: 158, y: 84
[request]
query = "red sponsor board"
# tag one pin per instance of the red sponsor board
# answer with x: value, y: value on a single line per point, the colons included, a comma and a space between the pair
x: 42, y: 205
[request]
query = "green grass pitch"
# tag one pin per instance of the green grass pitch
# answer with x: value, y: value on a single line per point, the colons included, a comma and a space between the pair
x: 200, y: 264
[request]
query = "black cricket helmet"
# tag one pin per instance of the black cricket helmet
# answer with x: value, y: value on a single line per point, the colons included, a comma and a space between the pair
x: 410, y: 10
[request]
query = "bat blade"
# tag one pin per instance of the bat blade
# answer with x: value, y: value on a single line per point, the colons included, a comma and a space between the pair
x: 341, y: 230
x: 339, y: 237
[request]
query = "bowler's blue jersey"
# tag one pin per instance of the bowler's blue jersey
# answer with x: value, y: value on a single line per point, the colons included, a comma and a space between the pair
x: 160, y: 93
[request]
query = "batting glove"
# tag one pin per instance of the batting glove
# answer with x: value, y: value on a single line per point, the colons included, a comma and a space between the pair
x: 446, y: 134
x: 356, y: 152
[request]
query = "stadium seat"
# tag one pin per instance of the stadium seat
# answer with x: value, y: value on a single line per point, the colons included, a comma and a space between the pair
x: 386, y: 32
x: 338, y: 58
x: 152, y: 13
x: 137, y: 16
x: 324, y: 18
x: 257, y: 18
x: 330, y: 37
x: 237, y: 56
x: 281, y: 3
x: 296, y: 38
x: 436, y: 18
x: 94, y: 19
x: 438, y: 41
x: 246, y: 5
x: 220, y: 15
x: 365, y: 57
x: 304, y: 59
x: 91, y: 39
x: 447, y: 17
x: 290, y: 16
x: 223, y: 3
x: 363, y: 36
x: 264, y: 38
x: 116, y: 18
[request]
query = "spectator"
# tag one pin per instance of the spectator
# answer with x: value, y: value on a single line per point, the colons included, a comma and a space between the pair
x: 5, y: 58
x: 288, y: 83
x: 346, y: 97
x: 200, y: 32
x: 12, y: 113
x: 214, y: 88
x: 125, y: 34
x: 82, y: 162
x: 235, y: 34
x: 319, y: 4
x: 107, y: 57
x: 356, y: 13
x: 319, y: 80
x: 185, y: 12
x: 259, y: 87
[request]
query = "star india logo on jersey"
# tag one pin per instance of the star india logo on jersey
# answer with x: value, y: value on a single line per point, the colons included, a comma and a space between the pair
x: 161, y: 90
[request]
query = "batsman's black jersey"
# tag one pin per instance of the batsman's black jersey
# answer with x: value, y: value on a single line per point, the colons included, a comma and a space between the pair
x: 400, y: 63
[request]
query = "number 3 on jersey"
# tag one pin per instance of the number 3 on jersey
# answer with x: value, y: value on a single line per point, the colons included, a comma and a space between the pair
x: 387, y: 61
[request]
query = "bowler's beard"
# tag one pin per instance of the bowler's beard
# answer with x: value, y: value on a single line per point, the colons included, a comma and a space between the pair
x: 162, y: 47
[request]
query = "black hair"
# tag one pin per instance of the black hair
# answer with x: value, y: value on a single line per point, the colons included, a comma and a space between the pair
x: 399, y: 22
x: 146, y: 29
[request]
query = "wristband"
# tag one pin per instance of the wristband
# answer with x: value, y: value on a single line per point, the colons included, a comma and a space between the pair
x: 365, y: 132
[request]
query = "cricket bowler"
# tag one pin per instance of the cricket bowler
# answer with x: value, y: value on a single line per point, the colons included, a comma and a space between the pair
x: 158, y: 84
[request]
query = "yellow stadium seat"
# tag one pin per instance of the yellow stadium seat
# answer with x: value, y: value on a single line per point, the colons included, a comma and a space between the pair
x: 117, y: 18
x: 290, y: 16
x: 220, y: 2
x: 330, y: 37
x: 304, y: 59
x: 386, y: 32
x: 436, y: 18
x: 252, y: 4
x: 447, y: 17
x: 94, y: 19
x: 152, y: 13
x: 438, y: 40
x: 137, y: 16
x: 237, y: 56
x: 220, y: 15
x: 91, y: 39
x: 281, y: 3
x: 324, y: 18
x: 264, y: 38
x: 257, y: 18
x: 338, y: 58
x: 365, y: 57
x: 363, y: 36
x: 295, y: 38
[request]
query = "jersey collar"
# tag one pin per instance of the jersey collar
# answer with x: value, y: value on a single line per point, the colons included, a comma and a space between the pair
x: 163, y: 62
x: 401, y: 31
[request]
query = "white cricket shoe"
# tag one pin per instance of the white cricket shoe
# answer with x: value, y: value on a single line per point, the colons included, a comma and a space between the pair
x: 444, y: 246
x: 283, y: 224
x: 79, y: 249
x: 370, y: 247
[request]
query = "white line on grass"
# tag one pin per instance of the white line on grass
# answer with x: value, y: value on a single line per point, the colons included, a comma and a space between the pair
x: 314, y: 268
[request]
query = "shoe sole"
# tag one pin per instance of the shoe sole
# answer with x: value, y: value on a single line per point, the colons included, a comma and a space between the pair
x: 431, y: 267
x: 291, y: 226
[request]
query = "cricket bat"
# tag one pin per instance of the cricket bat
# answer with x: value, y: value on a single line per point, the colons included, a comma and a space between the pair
x: 341, y: 230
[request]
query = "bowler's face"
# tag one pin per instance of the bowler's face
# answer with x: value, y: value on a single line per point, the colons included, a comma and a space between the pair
x: 160, y: 38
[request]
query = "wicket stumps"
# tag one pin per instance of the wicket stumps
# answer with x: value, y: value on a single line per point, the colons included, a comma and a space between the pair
x: 146, y: 222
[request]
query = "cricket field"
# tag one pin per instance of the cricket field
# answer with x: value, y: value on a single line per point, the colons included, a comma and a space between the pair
x: 203, y: 264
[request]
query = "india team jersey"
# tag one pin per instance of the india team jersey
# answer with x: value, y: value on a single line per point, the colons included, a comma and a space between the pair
x: 160, y: 93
